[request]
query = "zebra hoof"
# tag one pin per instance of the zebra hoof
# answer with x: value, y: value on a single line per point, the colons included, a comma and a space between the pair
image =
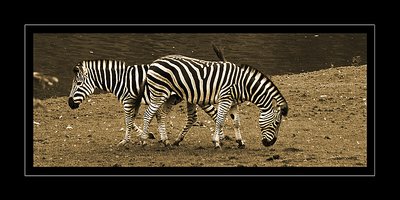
x: 151, y: 136
x: 217, y: 145
x: 176, y: 143
x: 166, y: 143
x: 241, y: 144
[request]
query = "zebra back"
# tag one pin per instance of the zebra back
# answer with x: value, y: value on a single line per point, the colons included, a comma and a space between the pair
x: 203, y: 82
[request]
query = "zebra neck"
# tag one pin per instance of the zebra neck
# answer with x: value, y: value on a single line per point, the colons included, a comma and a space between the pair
x: 261, y: 91
x: 110, y: 78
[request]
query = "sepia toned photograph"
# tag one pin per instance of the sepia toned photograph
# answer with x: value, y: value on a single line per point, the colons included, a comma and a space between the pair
x: 260, y: 100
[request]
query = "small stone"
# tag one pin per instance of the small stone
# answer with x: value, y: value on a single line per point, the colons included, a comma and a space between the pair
x: 274, y: 157
x: 270, y: 159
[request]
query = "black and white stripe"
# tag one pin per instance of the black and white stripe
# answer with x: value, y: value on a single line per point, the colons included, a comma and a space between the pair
x: 211, y: 82
x: 125, y: 83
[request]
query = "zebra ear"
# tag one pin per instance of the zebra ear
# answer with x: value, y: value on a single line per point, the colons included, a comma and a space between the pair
x: 75, y: 69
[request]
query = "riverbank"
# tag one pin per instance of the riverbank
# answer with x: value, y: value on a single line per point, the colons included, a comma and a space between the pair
x: 326, y: 126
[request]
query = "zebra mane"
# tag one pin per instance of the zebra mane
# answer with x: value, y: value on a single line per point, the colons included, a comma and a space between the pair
x: 246, y: 66
x: 194, y: 59
x: 85, y: 64
x: 102, y: 60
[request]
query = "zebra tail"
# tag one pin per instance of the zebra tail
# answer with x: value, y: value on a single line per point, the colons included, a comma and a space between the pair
x: 219, y: 52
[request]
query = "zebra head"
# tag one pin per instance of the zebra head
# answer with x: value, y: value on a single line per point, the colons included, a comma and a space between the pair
x: 81, y: 86
x: 270, y: 121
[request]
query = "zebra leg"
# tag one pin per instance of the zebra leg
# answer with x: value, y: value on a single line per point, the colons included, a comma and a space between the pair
x: 191, y: 119
x: 236, y: 124
x: 161, y: 115
x: 212, y: 112
x: 223, y: 108
x: 148, y: 116
x: 130, y: 115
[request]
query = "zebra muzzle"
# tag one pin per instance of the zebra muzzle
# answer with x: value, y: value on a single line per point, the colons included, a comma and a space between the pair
x: 72, y: 104
x: 267, y: 142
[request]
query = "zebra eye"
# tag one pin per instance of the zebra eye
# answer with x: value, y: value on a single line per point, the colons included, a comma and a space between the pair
x: 79, y: 83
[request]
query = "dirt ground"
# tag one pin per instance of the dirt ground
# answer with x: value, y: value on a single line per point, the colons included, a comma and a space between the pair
x: 326, y: 126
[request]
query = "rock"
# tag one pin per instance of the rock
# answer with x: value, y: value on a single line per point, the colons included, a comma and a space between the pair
x: 274, y: 157
x: 270, y: 159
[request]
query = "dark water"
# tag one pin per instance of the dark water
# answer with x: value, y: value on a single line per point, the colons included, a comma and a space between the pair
x: 273, y: 54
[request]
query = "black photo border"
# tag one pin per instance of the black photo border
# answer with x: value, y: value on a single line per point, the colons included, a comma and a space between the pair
x: 30, y: 171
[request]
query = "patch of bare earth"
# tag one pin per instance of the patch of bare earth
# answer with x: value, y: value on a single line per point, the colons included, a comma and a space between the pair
x: 326, y: 126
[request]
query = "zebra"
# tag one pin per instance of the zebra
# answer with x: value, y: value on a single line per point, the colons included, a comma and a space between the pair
x: 124, y: 82
x: 214, y: 82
